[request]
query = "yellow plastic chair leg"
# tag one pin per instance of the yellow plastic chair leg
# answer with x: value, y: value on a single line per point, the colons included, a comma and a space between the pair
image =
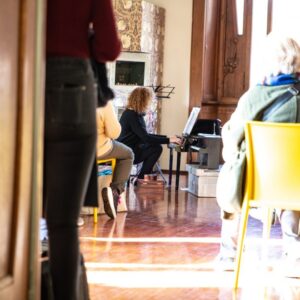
x: 241, y: 240
x: 95, y: 211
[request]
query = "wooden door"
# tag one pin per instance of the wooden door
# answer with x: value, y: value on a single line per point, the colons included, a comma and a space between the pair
x: 21, y: 85
x: 220, y: 57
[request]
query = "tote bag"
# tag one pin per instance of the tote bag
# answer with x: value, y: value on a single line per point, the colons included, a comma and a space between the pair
x: 230, y: 184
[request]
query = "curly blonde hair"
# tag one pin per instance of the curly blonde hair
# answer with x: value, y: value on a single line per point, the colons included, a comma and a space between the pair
x: 139, y: 99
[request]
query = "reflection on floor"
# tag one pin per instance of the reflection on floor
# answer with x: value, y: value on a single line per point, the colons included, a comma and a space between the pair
x: 164, y: 248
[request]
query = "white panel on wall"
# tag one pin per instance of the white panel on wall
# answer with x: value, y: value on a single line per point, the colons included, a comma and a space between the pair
x: 177, y: 49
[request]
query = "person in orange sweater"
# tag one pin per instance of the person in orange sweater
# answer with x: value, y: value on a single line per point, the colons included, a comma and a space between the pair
x: 109, y: 129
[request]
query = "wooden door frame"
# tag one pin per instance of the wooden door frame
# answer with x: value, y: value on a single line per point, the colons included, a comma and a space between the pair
x: 37, y: 152
x: 22, y: 280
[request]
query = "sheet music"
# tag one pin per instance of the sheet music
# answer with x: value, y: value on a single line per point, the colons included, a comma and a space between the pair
x: 191, y: 121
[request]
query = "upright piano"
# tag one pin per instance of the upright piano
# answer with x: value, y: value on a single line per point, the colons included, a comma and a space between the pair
x: 205, y: 139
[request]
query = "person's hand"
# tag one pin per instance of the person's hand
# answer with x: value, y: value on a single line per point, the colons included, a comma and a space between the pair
x: 175, y: 140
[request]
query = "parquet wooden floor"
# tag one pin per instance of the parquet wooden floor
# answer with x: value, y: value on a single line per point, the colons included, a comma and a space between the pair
x: 164, y: 248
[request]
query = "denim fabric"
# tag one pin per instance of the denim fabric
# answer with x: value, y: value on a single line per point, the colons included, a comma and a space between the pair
x: 290, y: 234
x: 70, y: 149
x: 229, y: 237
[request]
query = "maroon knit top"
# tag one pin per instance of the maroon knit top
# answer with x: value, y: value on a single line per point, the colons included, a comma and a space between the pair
x: 67, y: 29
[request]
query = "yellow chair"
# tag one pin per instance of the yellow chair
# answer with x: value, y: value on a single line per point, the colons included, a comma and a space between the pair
x: 272, y: 174
x: 112, y: 161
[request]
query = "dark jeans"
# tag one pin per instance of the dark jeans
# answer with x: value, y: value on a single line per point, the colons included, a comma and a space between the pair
x: 148, y: 154
x: 70, y: 144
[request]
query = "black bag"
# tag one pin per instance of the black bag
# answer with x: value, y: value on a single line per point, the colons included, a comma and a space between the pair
x: 91, y: 197
x: 46, y: 282
x: 230, y: 183
x: 104, y: 92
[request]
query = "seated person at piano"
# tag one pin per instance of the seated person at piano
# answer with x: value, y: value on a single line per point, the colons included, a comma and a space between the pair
x: 146, y: 146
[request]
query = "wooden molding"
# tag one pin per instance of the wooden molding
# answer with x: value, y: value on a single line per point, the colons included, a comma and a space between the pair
x: 196, y: 76
x: 270, y: 15
x: 220, y: 58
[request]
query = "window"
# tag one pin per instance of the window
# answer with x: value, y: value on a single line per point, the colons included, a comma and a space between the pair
x: 285, y: 20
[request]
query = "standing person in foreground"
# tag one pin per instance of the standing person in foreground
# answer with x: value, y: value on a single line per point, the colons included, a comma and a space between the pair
x: 282, y: 59
x: 146, y: 146
x: 70, y: 126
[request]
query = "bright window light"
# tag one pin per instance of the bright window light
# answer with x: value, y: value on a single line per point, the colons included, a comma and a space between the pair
x: 125, y: 274
x: 200, y: 240
x: 239, y: 4
x: 259, y: 32
x: 285, y: 21
x: 257, y: 276
x: 286, y: 18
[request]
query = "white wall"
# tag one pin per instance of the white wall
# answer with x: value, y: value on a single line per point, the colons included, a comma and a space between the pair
x: 177, y: 49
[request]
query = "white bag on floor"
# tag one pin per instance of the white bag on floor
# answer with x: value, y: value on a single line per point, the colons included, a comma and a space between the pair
x: 104, y: 180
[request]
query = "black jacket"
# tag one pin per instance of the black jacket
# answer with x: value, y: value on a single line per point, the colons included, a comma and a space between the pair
x: 134, y: 131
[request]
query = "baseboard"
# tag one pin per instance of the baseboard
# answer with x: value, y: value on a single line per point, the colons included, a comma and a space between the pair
x: 174, y: 172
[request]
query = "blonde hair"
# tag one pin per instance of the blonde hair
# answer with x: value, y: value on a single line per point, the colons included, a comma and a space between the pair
x: 282, y: 55
x: 139, y: 99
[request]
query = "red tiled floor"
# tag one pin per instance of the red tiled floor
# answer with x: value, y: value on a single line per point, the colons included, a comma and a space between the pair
x: 164, y: 247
